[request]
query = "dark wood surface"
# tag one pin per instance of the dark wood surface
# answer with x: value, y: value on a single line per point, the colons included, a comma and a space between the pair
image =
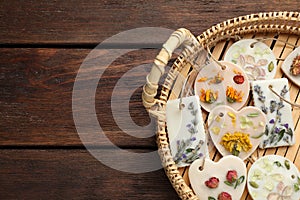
x: 43, y: 44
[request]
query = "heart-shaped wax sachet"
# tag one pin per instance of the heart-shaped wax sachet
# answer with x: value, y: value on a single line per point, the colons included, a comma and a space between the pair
x: 225, y: 179
x: 236, y: 132
x: 274, y: 177
x: 222, y: 86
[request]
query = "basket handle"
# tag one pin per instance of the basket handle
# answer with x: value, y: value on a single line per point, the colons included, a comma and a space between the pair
x: 180, y: 37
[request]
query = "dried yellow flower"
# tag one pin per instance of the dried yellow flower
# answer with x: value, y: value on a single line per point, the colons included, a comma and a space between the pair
x: 233, y: 95
x: 236, y: 142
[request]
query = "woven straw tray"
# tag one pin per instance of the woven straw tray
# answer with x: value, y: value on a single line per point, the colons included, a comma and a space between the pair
x: 283, y: 26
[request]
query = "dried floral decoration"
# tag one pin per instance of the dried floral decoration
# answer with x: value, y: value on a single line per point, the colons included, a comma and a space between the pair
x: 274, y: 177
x: 222, y: 180
x: 233, y: 95
x: 236, y: 132
x: 256, y: 58
x: 212, y: 80
x: 295, y: 67
x: 216, y: 86
x: 186, y: 130
x: 291, y: 66
x: 213, y: 182
x: 279, y: 129
x: 236, y: 142
x: 208, y: 96
x: 239, y: 79
x: 232, y: 180
x: 221, y: 196
x: 185, y: 152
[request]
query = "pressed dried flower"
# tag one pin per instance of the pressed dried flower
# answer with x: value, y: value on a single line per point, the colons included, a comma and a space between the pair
x: 202, y: 79
x: 233, y: 95
x: 236, y: 142
x: 224, y: 196
x: 208, y: 96
x: 239, y: 79
x: 237, y: 72
x: 213, y: 182
x: 231, y: 115
x: 217, y: 79
x: 231, y: 176
x: 295, y: 67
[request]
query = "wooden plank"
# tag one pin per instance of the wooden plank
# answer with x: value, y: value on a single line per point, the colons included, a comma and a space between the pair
x: 80, y: 22
x: 36, y: 96
x: 74, y: 174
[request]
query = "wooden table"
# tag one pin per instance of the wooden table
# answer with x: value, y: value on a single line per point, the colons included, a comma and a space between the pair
x: 43, y: 45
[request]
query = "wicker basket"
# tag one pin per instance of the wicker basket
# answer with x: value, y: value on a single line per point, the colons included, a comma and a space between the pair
x: 279, y: 25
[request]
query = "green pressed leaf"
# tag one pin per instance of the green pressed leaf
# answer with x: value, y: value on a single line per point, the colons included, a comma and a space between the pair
x: 270, y: 66
x: 280, y: 135
x: 267, y: 130
x: 220, y: 103
x: 230, y: 100
x: 243, y: 119
x: 256, y: 114
x: 253, y: 184
x: 272, y: 138
x: 296, y: 187
x: 211, y: 198
x: 287, y: 164
x: 228, y: 183
x: 236, y: 184
x: 277, y: 163
x: 235, y: 152
x: 241, y: 179
x: 290, y: 132
x: 189, y: 150
x: 258, y: 136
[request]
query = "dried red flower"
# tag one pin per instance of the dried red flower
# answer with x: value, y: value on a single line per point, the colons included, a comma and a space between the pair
x: 231, y: 176
x: 213, y: 182
x: 224, y: 196
x: 239, y: 79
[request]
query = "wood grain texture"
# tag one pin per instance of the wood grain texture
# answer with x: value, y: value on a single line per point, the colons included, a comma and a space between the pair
x: 74, y: 174
x: 36, y: 96
x: 82, y: 22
